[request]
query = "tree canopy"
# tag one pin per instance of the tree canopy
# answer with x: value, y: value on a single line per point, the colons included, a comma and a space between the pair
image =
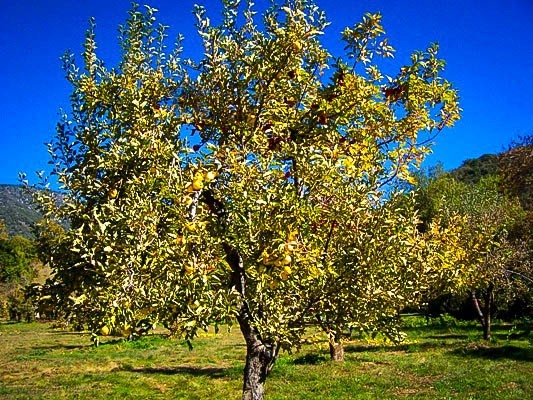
x: 286, y: 213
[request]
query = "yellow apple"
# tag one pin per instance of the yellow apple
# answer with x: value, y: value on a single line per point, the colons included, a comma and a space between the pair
x: 265, y: 258
x: 286, y: 272
x: 197, y: 184
x: 210, y: 176
x: 104, y: 330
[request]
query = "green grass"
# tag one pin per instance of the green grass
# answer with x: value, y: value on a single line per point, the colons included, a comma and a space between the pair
x: 443, y: 360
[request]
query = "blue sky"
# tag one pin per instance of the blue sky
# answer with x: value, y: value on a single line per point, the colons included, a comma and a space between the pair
x: 488, y: 47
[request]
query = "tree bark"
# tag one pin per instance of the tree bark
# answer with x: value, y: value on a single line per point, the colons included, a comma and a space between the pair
x: 487, y: 311
x: 480, y: 315
x: 260, y: 356
x: 259, y: 362
x: 336, y: 351
x: 484, y: 313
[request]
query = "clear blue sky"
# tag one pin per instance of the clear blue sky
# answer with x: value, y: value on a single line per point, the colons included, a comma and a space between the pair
x: 488, y: 46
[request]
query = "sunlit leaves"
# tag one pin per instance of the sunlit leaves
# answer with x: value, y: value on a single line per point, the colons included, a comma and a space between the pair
x: 295, y: 176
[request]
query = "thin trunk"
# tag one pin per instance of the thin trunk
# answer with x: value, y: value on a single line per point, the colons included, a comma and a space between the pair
x: 336, y: 351
x: 480, y: 315
x: 484, y: 313
x: 487, y: 311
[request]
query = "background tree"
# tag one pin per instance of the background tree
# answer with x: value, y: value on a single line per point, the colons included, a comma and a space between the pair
x: 276, y: 217
x: 3, y: 230
x: 18, y: 267
x: 515, y: 168
x: 473, y: 170
x: 488, y: 218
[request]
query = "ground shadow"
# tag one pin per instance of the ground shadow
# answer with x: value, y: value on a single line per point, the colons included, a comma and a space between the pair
x: 406, y: 347
x: 61, y: 347
x: 311, y: 359
x: 447, y: 336
x: 512, y: 335
x: 496, y: 353
x: 72, y: 333
x: 213, y: 372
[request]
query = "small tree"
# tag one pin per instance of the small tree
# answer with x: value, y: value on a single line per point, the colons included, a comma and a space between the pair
x: 18, y: 267
x: 17, y: 260
x: 287, y: 213
x: 485, y: 219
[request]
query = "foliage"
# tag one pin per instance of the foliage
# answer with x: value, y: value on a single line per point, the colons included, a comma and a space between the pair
x: 162, y: 231
x: 498, y: 262
x: 473, y: 170
x: 18, y: 267
x: 515, y: 170
x: 17, y: 256
x: 321, y: 158
x: 120, y: 162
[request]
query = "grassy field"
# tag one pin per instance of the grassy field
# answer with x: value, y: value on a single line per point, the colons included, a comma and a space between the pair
x: 438, y: 361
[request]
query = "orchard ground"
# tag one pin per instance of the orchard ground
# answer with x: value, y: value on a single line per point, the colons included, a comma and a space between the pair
x: 444, y: 359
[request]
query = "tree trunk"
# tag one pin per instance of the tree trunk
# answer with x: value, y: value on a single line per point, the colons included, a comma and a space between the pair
x: 260, y: 356
x: 259, y: 362
x: 487, y: 328
x: 336, y: 351
x: 487, y: 311
x: 484, y: 315
x: 480, y: 315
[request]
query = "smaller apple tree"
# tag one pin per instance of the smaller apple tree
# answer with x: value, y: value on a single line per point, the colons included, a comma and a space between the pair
x: 483, y: 218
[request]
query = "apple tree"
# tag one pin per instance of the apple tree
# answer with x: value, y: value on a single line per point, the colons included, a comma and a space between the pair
x: 287, y: 210
x: 495, y: 264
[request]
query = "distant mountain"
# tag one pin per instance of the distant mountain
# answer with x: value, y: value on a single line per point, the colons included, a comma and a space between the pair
x: 472, y: 170
x: 17, y: 211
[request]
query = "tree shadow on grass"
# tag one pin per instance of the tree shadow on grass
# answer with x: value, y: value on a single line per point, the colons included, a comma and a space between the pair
x: 310, y: 359
x: 512, y: 335
x: 61, y: 347
x: 495, y: 353
x: 212, y: 372
x: 406, y: 347
x: 64, y: 331
x: 448, y: 336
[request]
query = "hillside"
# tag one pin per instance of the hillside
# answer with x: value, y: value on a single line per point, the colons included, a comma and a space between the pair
x: 17, y: 211
x: 472, y: 170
